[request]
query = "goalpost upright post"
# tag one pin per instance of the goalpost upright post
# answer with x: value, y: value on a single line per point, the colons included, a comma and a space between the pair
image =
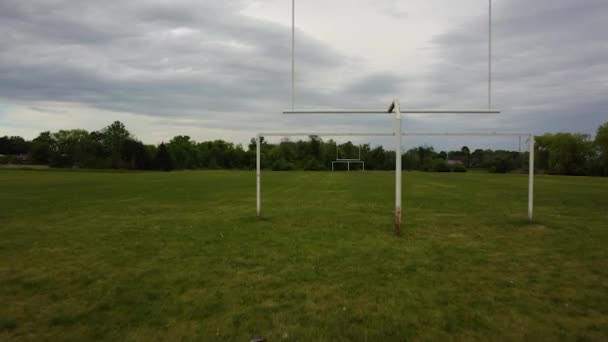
x: 398, y: 169
x: 531, y: 179
x: 258, y: 175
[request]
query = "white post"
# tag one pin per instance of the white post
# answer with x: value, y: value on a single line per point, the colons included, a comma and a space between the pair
x: 293, y: 53
x: 258, y: 175
x: 490, y: 54
x: 348, y: 164
x: 397, y: 167
x: 531, y: 180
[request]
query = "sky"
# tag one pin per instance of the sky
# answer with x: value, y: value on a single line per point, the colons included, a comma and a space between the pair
x: 222, y: 69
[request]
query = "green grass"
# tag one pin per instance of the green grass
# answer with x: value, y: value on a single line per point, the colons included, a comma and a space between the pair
x: 181, y: 256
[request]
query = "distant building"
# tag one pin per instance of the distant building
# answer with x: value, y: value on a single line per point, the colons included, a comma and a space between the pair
x: 455, y: 162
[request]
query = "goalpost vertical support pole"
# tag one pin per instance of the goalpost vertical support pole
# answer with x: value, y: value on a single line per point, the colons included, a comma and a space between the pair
x: 258, y: 175
x: 397, y: 167
x: 490, y: 54
x: 531, y: 180
x: 293, y: 53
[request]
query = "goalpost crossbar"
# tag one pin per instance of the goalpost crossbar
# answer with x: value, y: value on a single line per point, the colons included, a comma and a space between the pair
x: 402, y: 111
x: 390, y: 134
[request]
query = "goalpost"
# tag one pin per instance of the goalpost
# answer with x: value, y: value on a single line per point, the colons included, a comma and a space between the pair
x: 398, y: 160
x: 395, y: 109
x: 347, y: 161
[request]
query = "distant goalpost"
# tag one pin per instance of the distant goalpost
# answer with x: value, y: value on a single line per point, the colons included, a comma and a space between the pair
x: 397, y: 111
x: 347, y: 161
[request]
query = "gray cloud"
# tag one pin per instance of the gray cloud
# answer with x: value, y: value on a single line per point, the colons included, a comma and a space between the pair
x: 551, y: 59
x: 208, y: 61
x: 158, y: 59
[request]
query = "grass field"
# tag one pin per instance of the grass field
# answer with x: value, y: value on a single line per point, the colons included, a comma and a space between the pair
x: 181, y: 256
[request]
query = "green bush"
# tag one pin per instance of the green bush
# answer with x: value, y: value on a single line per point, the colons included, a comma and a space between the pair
x: 440, y: 166
x: 427, y: 166
x: 313, y: 165
x: 12, y: 159
x: 501, y: 164
x: 459, y: 168
x: 283, y: 165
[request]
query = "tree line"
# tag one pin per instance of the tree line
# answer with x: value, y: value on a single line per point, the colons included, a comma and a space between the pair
x: 114, y: 147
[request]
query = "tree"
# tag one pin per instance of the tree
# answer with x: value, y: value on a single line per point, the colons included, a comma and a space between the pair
x: 220, y: 153
x: 135, y: 155
x: 315, y: 147
x: 601, y: 139
x: 467, y: 155
x: 378, y: 159
x: 114, y: 146
x: 349, y: 151
x: 601, y: 145
x: 100, y: 154
x: 312, y: 164
x: 13, y: 145
x: 184, y: 152
x: 426, y: 154
x: 501, y: 164
x: 282, y: 165
x: 288, y: 150
x: 42, y: 148
x: 163, y: 160
x: 70, y: 148
x: 476, y: 159
x: 114, y: 137
x: 565, y: 153
x: 252, y: 143
x: 410, y: 160
x: 4, y: 145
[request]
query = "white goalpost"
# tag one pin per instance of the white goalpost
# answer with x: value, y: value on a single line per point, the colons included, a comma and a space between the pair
x: 398, y: 160
x: 347, y: 161
x: 395, y: 110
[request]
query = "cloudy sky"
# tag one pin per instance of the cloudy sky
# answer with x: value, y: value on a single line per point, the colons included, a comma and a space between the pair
x: 221, y: 69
